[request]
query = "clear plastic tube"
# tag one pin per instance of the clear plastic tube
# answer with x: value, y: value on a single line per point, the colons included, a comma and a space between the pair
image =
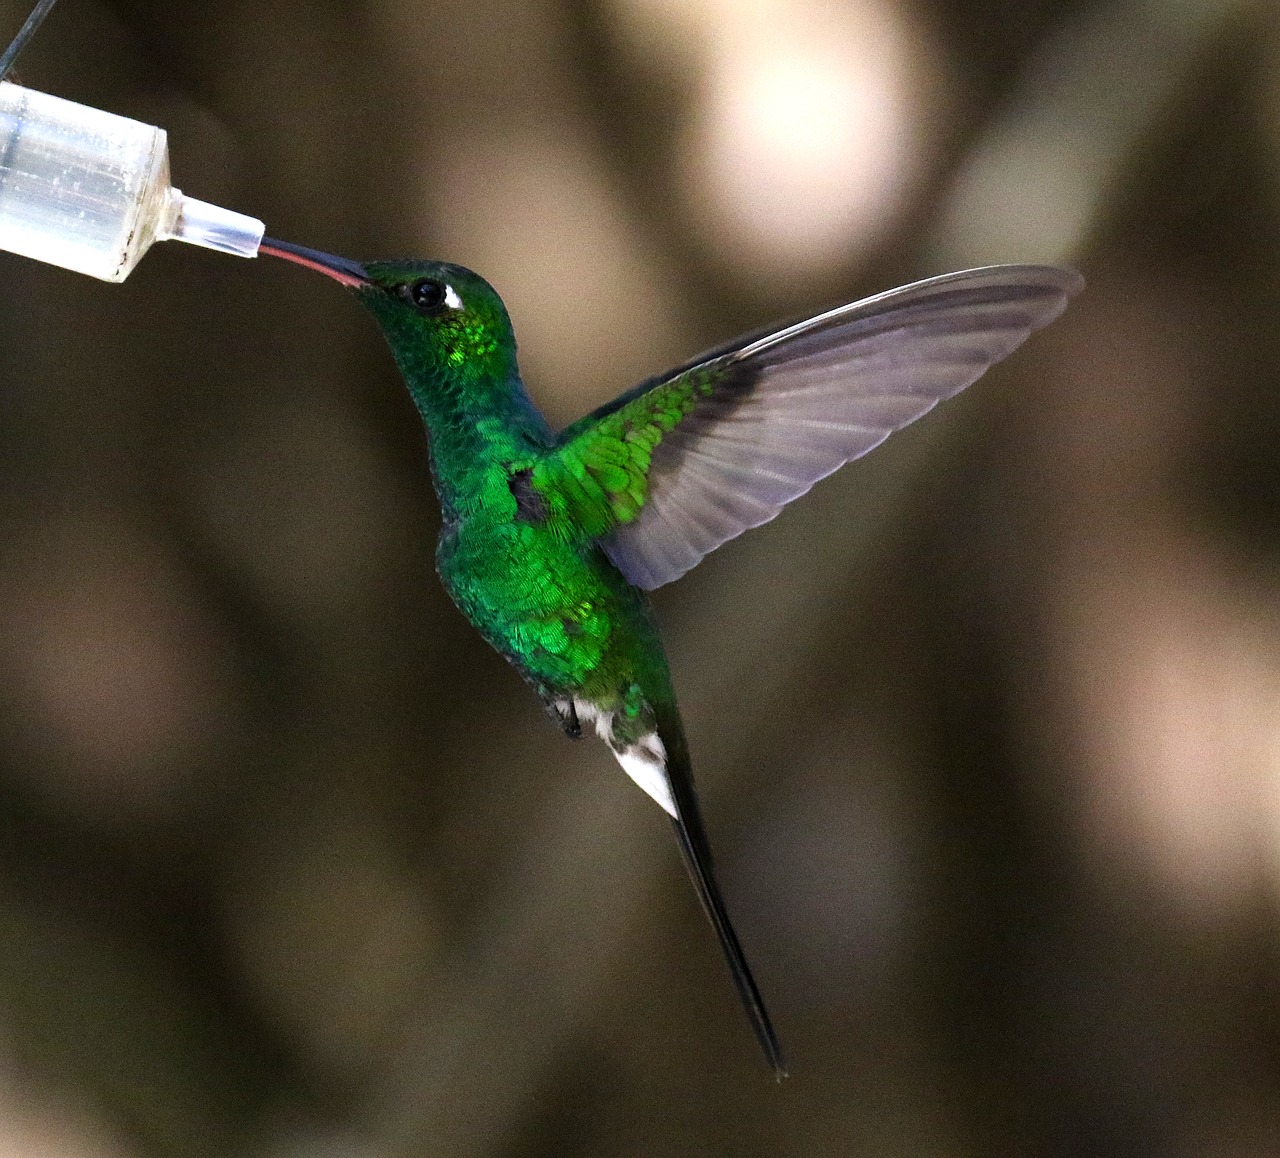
x: 89, y: 191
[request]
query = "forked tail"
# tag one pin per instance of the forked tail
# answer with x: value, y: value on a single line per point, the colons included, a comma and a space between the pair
x: 696, y: 850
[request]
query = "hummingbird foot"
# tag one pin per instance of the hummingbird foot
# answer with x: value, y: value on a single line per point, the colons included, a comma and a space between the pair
x: 565, y: 714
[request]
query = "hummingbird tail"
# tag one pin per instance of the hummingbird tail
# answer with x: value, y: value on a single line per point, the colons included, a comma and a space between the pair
x: 696, y: 851
x: 659, y: 762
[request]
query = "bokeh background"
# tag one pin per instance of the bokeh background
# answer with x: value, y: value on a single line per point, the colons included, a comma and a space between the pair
x: 987, y: 726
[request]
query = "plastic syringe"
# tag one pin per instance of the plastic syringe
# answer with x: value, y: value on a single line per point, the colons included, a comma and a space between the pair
x: 89, y: 190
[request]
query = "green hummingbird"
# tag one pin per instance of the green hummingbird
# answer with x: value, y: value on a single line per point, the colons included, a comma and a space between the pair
x: 549, y: 540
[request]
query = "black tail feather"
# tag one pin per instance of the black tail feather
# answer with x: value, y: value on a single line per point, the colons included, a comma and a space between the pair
x: 696, y: 850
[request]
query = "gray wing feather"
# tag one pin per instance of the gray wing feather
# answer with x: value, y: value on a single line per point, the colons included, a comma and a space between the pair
x: 818, y: 394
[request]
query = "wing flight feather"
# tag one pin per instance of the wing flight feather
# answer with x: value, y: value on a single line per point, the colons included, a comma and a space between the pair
x: 723, y: 443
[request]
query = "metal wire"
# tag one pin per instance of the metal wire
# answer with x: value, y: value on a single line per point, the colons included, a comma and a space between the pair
x: 25, y: 33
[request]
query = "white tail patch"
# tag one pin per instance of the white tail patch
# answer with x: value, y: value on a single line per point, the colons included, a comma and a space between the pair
x: 646, y: 764
x: 644, y: 761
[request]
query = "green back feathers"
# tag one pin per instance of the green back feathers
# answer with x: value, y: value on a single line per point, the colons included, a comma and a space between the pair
x: 598, y: 477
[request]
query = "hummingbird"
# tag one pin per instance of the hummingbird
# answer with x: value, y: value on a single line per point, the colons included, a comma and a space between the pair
x: 550, y: 541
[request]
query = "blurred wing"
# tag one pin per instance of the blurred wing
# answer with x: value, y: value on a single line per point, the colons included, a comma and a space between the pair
x: 693, y: 459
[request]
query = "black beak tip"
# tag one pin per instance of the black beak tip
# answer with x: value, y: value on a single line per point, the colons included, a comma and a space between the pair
x: 341, y: 269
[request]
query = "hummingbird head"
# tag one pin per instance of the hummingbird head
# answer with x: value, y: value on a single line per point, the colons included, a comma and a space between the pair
x: 440, y: 319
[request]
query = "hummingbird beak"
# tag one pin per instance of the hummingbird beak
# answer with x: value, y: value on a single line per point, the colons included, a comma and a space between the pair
x: 349, y: 273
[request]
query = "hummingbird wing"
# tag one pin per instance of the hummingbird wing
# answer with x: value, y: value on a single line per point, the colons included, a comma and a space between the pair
x: 688, y: 460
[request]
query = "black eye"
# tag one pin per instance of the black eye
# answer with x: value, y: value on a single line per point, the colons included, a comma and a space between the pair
x: 425, y: 295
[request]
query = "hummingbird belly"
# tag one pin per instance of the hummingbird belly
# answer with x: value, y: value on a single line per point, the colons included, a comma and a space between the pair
x: 544, y: 603
x: 574, y: 628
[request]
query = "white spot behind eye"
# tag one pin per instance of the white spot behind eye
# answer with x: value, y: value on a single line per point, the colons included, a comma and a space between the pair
x: 451, y: 298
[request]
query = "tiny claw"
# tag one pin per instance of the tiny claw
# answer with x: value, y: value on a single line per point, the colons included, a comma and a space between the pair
x: 566, y: 715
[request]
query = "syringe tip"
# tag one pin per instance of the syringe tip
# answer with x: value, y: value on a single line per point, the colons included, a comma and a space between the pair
x: 213, y: 227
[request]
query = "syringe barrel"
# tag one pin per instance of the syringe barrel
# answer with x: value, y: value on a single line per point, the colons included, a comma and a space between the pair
x: 89, y: 190
x: 79, y: 187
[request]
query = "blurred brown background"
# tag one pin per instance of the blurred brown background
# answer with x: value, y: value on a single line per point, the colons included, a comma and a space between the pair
x: 987, y: 726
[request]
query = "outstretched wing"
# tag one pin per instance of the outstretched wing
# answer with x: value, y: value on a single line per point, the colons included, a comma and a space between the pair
x: 679, y: 465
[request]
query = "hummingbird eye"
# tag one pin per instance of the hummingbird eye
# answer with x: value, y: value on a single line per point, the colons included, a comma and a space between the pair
x: 426, y: 295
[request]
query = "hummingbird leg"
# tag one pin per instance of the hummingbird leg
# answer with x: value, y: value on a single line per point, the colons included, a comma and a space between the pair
x: 566, y: 715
